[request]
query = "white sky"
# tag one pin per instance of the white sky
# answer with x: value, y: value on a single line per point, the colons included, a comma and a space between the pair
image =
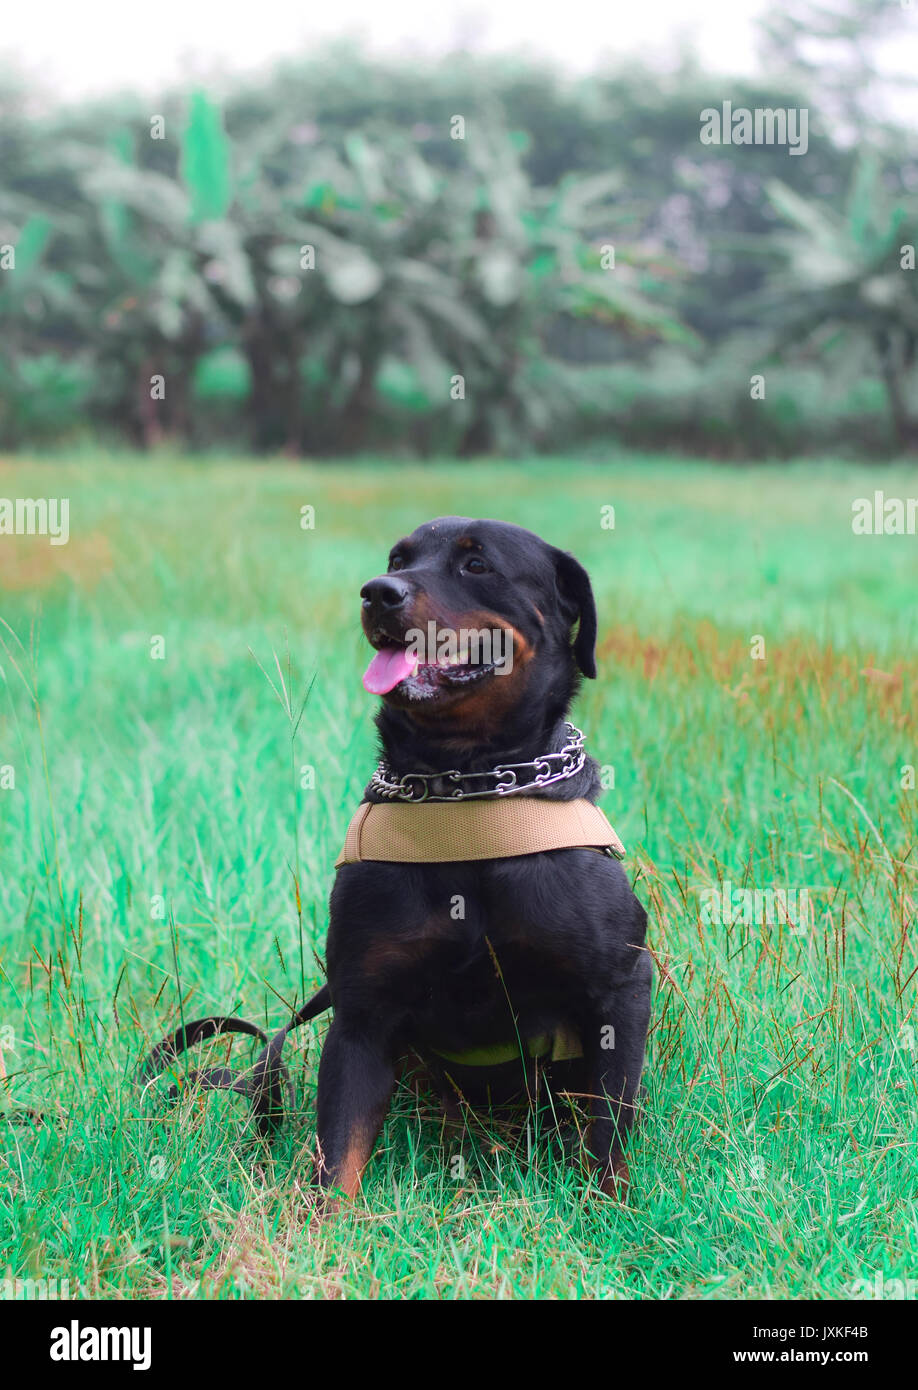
x: 99, y: 45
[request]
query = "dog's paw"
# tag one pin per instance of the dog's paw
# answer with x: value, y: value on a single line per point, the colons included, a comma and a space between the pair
x: 615, y: 1181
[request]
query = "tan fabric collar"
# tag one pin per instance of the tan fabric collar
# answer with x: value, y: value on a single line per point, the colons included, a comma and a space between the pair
x: 450, y: 832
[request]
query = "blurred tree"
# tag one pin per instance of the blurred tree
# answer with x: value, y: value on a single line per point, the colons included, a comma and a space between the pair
x: 314, y: 264
x: 850, y: 273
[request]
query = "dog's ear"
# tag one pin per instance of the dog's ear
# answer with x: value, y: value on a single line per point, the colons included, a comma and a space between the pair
x: 577, y: 601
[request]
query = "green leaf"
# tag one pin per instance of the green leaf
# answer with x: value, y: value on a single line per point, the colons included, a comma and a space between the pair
x: 401, y: 384
x: 205, y: 163
x: 543, y: 265
x: 222, y: 374
x: 16, y: 285
x: 366, y: 161
x: 815, y: 219
x: 113, y: 212
x: 116, y: 219
x: 31, y: 243
x: 862, y: 200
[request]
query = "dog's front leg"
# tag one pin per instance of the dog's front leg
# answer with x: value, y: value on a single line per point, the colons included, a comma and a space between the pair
x: 356, y: 1079
x: 614, y: 1044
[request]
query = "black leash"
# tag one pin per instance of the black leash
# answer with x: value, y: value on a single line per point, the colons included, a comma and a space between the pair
x: 269, y: 1082
x: 266, y: 1086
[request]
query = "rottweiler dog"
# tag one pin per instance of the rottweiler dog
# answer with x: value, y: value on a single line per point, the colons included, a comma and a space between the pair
x: 498, y: 980
x: 548, y: 945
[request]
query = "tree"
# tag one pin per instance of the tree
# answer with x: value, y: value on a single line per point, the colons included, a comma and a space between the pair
x: 850, y: 275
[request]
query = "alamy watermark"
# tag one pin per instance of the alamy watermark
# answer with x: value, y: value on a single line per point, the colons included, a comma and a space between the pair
x: 78, y: 1342
x: 725, y: 905
x: 438, y: 646
x: 878, y: 1286
x: 765, y: 125
x: 36, y: 516
x: 34, y: 1290
x: 880, y: 515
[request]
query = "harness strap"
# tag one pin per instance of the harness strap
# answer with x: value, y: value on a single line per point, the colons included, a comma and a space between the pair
x: 404, y: 833
x: 450, y: 832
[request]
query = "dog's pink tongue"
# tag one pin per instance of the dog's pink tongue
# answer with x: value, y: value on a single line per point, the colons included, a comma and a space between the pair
x: 387, y: 668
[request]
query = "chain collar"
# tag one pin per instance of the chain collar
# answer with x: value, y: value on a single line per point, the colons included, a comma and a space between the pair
x: 503, y: 780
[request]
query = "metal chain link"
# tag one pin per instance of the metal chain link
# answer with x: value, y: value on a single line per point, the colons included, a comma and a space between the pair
x: 502, y: 780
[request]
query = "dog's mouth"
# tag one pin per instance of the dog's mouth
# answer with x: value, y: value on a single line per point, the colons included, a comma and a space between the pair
x: 396, y: 670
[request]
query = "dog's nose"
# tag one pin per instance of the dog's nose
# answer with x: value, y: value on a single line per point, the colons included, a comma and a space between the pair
x: 383, y: 595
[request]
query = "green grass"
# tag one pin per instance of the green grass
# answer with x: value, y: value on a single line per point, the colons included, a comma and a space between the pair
x: 777, y: 1153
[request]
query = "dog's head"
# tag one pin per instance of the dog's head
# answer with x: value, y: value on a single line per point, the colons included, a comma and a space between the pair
x: 478, y: 625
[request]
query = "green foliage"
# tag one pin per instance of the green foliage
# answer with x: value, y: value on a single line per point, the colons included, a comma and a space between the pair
x: 222, y: 374
x: 842, y: 279
x: 43, y: 398
x: 205, y: 163
x: 30, y: 247
x: 324, y: 225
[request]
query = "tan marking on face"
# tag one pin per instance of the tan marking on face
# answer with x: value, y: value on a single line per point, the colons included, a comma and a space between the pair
x: 493, y: 701
x: 422, y: 613
x: 485, y: 707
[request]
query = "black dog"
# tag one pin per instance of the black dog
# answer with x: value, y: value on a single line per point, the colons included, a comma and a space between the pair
x: 547, y: 943
x: 500, y: 975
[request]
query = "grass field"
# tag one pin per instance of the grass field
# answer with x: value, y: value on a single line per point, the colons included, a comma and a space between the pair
x: 777, y: 1156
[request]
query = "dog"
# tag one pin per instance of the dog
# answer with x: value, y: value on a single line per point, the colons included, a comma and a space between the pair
x: 461, y: 964
x: 483, y: 936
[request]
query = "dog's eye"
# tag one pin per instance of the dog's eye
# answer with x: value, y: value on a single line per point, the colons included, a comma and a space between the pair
x: 396, y: 563
x: 476, y: 565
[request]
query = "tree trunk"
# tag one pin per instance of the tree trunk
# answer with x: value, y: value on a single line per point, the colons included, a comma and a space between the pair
x: 151, y: 429
x: 893, y: 368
